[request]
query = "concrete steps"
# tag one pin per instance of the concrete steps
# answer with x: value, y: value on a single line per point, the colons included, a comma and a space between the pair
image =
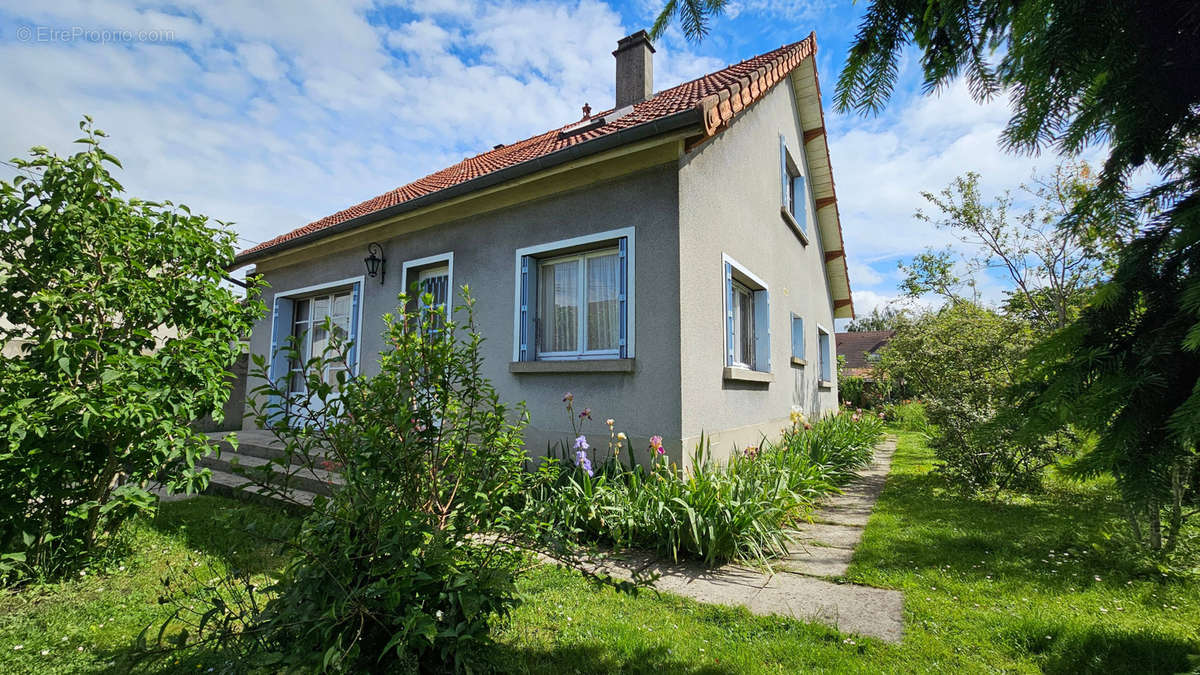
x: 254, y: 457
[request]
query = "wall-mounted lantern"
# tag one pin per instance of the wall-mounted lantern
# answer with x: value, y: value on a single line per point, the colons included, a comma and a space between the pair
x: 375, y: 261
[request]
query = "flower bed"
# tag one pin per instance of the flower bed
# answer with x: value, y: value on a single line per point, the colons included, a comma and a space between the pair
x: 714, y: 512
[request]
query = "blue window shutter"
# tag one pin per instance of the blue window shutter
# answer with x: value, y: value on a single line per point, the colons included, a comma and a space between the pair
x: 762, y: 330
x: 623, y: 280
x: 825, y: 370
x: 728, y: 314
x: 281, y: 331
x: 800, y: 207
x: 355, y: 303
x: 783, y: 171
x: 797, y: 336
x: 527, y: 321
x: 523, y: 337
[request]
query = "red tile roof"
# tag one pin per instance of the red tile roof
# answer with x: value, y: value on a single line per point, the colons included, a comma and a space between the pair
x: 717, y: 97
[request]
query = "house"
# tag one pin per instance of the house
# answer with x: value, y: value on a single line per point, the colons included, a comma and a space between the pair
x: 862, y: 350
x: 675, y: 261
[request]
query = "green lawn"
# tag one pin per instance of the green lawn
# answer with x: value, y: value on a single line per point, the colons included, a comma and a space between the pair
x: 1004, y: 586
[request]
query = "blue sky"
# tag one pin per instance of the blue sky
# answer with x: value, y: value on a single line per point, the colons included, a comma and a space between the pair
x: 274, y: 114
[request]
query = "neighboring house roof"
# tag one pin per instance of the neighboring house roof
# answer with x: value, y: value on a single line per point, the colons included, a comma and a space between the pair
x: 711, y: 101
x: 856, y: 345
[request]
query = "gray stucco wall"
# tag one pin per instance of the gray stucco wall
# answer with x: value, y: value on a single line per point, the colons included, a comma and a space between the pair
x: 729, y: 204
x: 644, y: 402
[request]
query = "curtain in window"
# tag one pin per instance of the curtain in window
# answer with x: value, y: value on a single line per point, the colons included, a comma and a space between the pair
x: 603, y: 318
x: 558, y: 295
x: 745, y: 311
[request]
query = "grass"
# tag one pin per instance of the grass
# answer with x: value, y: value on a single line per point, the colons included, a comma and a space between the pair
x: 982, y: 594
x: 88, y: 625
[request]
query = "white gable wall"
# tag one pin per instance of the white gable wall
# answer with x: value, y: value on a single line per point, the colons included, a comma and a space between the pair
x: 729, y: 199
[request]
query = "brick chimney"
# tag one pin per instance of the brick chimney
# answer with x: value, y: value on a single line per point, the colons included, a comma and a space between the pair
x: 635, y: 69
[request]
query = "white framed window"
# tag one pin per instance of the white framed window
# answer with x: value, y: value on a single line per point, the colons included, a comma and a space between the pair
x: 302, y: 313
x: 574, y: 299
x: 743, y: 325
x: 793, y: 188
x: 316, y: 322
x: 433, y: 279
x: 798, y: 337
x: 747, y: 319
x: 825, y: 355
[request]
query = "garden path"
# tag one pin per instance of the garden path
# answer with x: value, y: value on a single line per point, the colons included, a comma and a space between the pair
x: 798, y: 587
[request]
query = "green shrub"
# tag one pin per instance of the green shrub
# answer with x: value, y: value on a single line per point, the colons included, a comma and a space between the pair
x: 962, y: 361
x: 909, y: 416
x: 851, y: 389
x: 714, y: 512
x: 413, y: 560
x: 126, y: 330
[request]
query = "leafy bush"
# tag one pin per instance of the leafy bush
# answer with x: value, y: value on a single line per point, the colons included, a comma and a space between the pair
x: 740, y: 510
x: 414, y: 558
x: 909, y: 416
x: 962, y: 361
x: 126, y: 330
x: 850, y: 390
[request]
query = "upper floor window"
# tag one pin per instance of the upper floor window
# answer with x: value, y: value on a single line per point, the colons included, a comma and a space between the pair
x: 794, y: 190
x: 747, y: 319
x: 574, y: 298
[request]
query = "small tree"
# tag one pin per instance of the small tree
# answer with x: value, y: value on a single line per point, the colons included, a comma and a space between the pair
x: 961, y: 361
x: 1053, y: 270
x: 126, y: 331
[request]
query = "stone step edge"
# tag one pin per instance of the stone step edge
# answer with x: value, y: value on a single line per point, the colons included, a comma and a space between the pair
x: 227, y: 484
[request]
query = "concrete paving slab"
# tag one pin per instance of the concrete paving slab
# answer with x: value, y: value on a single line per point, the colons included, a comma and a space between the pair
x: 875, y: 612
x: 818, y: 561
x: 828, y: 534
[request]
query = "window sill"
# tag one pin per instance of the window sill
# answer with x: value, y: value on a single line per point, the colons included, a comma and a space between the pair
x: 799, y: 363
x: 825, y: 384
x: 795, y: 226
x: 572, y: 366
x: 747, y: 375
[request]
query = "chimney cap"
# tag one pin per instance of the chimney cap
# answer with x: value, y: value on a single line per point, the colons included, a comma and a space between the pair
x: 631, y: 41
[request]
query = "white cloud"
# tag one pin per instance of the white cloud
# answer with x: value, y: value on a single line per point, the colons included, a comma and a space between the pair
x: 278, y: 113
x: 920, y: 144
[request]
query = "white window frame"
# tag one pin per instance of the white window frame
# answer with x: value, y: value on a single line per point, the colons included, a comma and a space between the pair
x: 791, y: 171
x: 799, y: 357
x: 762, y: 344
x: 545, y: 251
x: 294, y: 294
x: 311, y: 324
x: 741, y: 290
x: 825, y: 363
x: 583, y: 352
x: 446, y: 258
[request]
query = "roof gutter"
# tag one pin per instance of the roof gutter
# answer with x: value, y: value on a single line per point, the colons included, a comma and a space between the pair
x: 690, y: 117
